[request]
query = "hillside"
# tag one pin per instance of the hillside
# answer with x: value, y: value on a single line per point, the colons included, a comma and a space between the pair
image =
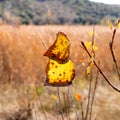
x: 56, y: 11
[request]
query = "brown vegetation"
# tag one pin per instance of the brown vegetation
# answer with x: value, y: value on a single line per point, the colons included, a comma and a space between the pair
x: 22, y: 63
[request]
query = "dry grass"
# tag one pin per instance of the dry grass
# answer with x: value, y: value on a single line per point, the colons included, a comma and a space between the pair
x: 22, y: 62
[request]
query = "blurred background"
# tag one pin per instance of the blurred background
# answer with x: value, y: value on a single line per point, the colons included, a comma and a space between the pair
x: 27, y: 29
x: 57, y: 12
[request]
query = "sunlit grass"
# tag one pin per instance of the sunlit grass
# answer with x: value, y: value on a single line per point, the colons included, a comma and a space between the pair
x: 22, y: 66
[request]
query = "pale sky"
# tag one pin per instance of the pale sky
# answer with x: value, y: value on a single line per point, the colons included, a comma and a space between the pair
x: 107, y: 1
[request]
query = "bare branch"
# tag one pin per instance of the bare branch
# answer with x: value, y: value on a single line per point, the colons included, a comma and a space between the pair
x: 113, y: 55
x: 94, y: 91
x: 89, y: 96
x: 107, y: 80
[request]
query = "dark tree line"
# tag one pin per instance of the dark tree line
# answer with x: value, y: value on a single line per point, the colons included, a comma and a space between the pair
x: 56, y: 11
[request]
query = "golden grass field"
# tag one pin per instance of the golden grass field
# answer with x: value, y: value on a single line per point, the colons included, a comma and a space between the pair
x: 22, y: 72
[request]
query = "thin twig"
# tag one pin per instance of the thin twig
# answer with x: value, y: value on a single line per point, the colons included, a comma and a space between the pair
x: 82, y: 112
x: 92, y: 100
x: 109, y: 83
x: 60, y: 104
x: 42, y: 108
x: 74, y: 104
x: 68, y: 103
x: 45, y: 45
x: 89, y: 96
x: 65, y: 104
x: 93, y: 37
x: 113, y: 55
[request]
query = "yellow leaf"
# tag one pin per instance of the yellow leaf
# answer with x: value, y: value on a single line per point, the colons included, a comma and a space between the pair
x: 118, y: 24
x: 53, y: 96
x: 91, y: 33
x: 89, y: 45
x: 59, y: 50
x: 60, y: 74
x: 95, y: 48
x: 60, y: 70
x: 109, y: 23
x: 88, y: 70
